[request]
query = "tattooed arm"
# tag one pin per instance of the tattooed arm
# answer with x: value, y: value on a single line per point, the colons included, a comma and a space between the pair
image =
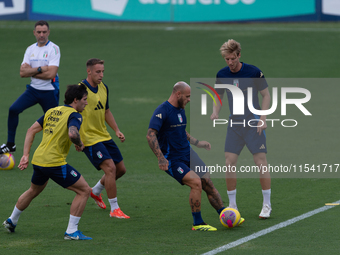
x: 154, y: 145
x: 197, y: 143
x: 74, y: 136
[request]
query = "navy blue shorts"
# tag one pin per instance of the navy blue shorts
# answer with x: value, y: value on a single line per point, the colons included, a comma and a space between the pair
x: 238, y: 136
x: 197, y: 164
x: 99, y: 152
x: 179, y: 168
x: 64, y: 175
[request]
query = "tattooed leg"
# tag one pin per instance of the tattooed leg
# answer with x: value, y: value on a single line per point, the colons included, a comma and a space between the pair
x: 212, y: 193
x: 195, y: 205
x: 192, y: 180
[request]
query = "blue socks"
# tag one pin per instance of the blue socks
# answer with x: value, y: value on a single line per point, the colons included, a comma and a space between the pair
x: 197, y: 218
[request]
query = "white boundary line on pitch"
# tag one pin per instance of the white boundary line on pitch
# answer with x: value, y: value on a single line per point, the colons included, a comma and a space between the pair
x: 268, y: 230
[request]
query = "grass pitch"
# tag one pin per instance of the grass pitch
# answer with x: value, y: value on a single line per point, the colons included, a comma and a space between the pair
x: 142, y: 62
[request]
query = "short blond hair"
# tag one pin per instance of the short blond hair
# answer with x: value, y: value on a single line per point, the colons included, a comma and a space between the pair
x: 94, y: 61
x: 229, y: 47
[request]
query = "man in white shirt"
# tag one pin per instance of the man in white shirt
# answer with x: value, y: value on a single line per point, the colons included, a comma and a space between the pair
x: 40, y: 63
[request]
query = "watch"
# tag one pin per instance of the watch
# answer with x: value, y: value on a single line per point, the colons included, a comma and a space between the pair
x: 39, y: 69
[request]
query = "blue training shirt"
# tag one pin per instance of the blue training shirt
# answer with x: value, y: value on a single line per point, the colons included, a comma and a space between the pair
x: 170, y: 122
x: 248, y: 76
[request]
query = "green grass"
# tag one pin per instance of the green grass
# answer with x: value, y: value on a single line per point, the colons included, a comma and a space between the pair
x: 143, y: 61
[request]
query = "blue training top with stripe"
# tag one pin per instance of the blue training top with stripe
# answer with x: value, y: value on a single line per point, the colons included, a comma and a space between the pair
x: 248, y: 76
x: 170, y: 122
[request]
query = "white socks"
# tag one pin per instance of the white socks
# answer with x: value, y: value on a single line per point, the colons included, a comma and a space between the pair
x: 72, y: 224
x: 98, y: 188
x: 114, y: 204
x: 266, y: 197
x: 15, y: 215
x: 232, y: 198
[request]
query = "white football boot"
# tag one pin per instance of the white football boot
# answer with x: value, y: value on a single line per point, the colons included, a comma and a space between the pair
x: 265, y: 212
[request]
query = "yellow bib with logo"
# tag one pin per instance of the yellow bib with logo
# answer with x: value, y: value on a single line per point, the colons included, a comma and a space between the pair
x: 93, y: 130
x: 55, y: 143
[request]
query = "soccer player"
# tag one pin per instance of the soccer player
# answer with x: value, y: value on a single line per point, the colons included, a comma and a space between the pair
x: 41, y: 62
x: 60, y: 126
x: 100, y: 149
x: 239, y: 134
x: 170, y: 142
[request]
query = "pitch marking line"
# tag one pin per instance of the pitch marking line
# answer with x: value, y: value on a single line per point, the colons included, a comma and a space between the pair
x: 270, y: 229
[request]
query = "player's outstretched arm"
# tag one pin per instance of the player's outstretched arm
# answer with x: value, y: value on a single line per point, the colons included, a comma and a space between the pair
x: 154, y: 145
x: 199, y: 144
x: 35, y: 128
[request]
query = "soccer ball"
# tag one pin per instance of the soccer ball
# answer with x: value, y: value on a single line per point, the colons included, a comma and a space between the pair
x: 230, y: 217
x: 7, y: 161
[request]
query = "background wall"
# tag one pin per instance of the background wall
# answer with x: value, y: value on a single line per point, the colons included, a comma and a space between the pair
x: 171, y: 10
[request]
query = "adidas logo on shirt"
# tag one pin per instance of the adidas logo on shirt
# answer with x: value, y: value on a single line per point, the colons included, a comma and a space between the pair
x: 99, y: 106
x: 159, y: 115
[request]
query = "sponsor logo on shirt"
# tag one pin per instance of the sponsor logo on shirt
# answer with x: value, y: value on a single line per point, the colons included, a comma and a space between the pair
x: 99, y: 106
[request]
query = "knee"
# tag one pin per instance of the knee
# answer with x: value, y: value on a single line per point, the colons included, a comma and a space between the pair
x: 260, y: 161
x: 121, y: 171
x: 230, y: 162
x: 111, y: 172
x: 14, y: 110
x: 109, y: 169
x: 86, y: 191
x: 33, y: 193
x: 196, y: 184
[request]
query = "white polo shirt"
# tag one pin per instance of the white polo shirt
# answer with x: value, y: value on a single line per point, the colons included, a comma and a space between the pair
x: 47, y: 55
